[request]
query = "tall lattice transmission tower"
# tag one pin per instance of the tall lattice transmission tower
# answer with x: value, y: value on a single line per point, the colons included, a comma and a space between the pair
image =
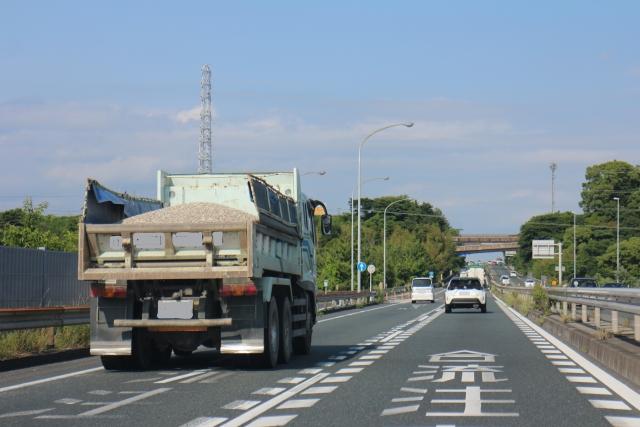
x: 205, y: 152
x: 553, y: 166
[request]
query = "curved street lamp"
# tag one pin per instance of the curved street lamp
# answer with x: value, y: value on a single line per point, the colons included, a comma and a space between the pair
x: 315, y: 173
x: 384, y: 239
x: 364, y: 141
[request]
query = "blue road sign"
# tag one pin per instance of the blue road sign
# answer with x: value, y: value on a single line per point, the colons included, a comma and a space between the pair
x: 362, y: 266
x: 431, y: 274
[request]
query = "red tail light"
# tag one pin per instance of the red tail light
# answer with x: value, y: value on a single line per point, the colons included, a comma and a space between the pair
x: 108, y: 291
x: 238, y: 290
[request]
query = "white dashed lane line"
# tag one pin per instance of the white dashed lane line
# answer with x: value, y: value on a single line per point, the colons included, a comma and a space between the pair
x: 320, y: 384
x: 578, y: 370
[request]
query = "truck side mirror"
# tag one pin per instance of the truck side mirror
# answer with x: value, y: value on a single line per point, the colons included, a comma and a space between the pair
x: 325, y: 221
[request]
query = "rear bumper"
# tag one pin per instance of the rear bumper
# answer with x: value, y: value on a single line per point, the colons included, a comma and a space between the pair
x: 422, y: 297
x: 465, y: 302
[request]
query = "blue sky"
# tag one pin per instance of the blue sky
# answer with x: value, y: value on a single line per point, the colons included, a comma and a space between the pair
x: 498, y: 90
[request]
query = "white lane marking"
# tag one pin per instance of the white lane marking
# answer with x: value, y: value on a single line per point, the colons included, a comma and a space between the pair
x: 362, y: 363
x: 242, y: 405
x: 422, y: 378
x: 339, y: 357
x: 428, y: 367
x: 350, y: 352
x: 357, y: 312
x: 571, y: 371
x: 298, y: 403
x: 310, y: 371
x: 272, y: 421
x: 581, y: 379
x: 378, y: 351
x: 399, y: 410
x: 614, y: 384
x: 370, y: 357
x: 609, y: 404
x: 181, y: 377
x: 143, y: 380
x: 320, y: 389
x: 549, y: 351
x: 556, y: 356
x: 414, y: 390
x: 100, y: 392
x: 358, y: 347
x: 130, y: 392
x: 325, y: 364
x: 594, y: 390
x: 292, y: 380
x: 386, y: 347
x: 46, y: 380
x: 563, y: 363
x: 269, y: 391
x: 26, y: 413
x: 202, y: 377
x: 216, y: 378
x: 390, y: 337
x: 67, y: 401
x: 623, y: 421
x: 95, y: 403
x: 349, y: 370
x: 205, y: 422
x: 124, y: 402
x: 337, y: 379
x: 407, y: 399
x: 274, y: 401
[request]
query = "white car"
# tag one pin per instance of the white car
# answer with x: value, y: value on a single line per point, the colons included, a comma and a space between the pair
x: 513, y: 274
x: 465, y: 293
x: 505, y: 280
x: 530, y: 283
x: 422, y: 290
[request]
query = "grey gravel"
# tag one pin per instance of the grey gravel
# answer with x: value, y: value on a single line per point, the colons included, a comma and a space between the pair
x: 191, y: 213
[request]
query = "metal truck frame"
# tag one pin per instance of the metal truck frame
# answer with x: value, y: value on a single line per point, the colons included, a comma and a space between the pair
x: 242, y: 286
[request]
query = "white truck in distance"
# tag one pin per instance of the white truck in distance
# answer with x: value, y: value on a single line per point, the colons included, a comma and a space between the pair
x: 221, y: 260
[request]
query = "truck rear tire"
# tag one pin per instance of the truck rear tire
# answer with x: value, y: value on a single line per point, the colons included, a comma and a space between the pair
x: 286, y: 330
x: 142, y: 349
x: 271, y: 336
x: 302, y: 344
x: 117, y: 363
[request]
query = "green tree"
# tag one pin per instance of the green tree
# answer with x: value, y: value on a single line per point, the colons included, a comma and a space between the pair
x: 629, y: 262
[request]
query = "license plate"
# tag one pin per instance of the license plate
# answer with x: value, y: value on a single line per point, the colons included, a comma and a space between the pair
x: 172, y: 309
x: 464, y: 292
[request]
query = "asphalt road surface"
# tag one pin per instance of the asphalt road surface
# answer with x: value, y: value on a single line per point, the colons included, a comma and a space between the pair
x: 394, y: 364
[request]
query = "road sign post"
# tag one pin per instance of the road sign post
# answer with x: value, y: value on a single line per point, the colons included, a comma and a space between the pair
x: 546, y: 249
x: 371, y: 269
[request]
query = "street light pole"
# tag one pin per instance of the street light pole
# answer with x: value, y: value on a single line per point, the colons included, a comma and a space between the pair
x: 315, y: 173
x: 384, y: 241
x: 574, y: 245
x: 386, y: 178
x: 617, y: 199
x: 364, y: 141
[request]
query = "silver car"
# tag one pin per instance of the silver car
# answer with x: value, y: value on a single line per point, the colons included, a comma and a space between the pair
x: 422, y: 290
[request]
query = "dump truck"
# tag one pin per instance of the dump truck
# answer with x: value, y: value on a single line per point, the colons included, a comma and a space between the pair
x: 226, y: 261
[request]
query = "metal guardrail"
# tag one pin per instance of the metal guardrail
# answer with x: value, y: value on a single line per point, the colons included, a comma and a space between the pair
x: 47, y: 317
x: 339, y: 299
x: 590, y: 301
x: 27, y: 318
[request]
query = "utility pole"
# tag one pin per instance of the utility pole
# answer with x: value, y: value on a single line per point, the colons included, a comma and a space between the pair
x: 617, y: 199
x: 553, y: 166
x: 574, y: 245
x: 205, y: 151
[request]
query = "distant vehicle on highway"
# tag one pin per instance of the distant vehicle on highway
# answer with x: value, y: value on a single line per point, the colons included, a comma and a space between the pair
x: 615, y: 285
x: 583, y: 282
x: 505, y: 280
x: 513, y: 274
x: 465, y: 293
x: 530, y: 283
x: 422, y: 290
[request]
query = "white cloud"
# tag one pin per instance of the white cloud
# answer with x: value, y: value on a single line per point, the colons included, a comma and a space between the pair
x: 186, y: 116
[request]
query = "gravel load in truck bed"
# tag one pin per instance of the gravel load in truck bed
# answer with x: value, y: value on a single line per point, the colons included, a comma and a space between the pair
x: 191, y: 213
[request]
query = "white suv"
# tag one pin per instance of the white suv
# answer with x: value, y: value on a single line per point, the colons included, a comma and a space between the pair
x: 465, y: 292
x: 421, y: 289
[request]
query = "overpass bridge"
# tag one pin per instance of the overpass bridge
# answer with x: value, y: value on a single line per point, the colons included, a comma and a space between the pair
x: 480, y: 243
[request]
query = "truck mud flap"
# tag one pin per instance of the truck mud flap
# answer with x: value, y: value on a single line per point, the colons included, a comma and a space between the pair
x: 246, y: 333
x: 106, y: 339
